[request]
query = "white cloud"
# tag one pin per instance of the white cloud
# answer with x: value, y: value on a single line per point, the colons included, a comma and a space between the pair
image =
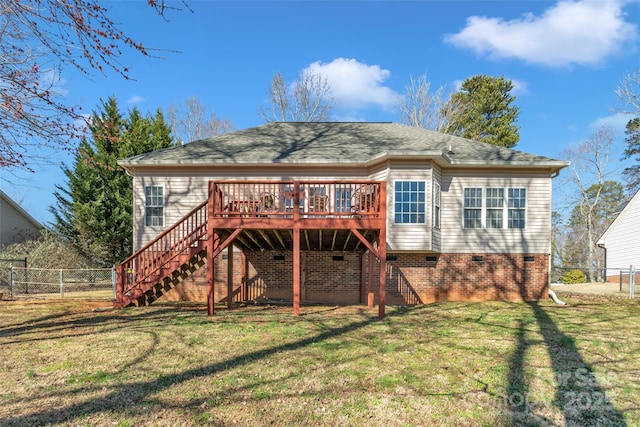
x: 617, y: 122
x: 354, y: 84
x: 519, y: 87
x: 570, y: 32
x: 135, y: 99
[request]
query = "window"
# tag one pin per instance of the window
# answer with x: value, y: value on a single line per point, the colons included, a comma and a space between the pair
x: 436, y: 205
x: 288, y: 198
x: 488, y: 208
x: 473, y: 208
x: 495, y: 207
x: 517, y: 206
x: 409, y: 202
x: 154, y: 206
x: 343, y: 199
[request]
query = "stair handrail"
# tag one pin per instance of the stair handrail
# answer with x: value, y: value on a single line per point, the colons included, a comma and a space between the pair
x: 186, y: 233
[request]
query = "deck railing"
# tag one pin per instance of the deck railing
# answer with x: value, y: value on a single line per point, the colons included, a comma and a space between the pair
x: 146, y: 265
x: 306, y: 199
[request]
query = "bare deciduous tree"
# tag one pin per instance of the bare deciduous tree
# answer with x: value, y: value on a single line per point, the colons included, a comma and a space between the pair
x: 307, y: 100
x: 191, y: 123
x: 422, y: 108
x: 39, y: 39
x: 629, y: 92
x: 590, y: 174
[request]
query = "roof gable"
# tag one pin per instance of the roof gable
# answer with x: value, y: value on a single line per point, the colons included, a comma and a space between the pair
x: 630, y: 206
x: 4, y: 198
x: 335, y: 143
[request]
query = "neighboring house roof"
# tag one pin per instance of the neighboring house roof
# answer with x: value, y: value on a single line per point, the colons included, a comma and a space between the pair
x: 620, y: 215
x: 338, y: 143
x: 6, y: 199
x: 15, y: 223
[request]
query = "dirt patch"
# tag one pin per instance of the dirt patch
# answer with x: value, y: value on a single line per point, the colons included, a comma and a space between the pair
x: 590, y: 288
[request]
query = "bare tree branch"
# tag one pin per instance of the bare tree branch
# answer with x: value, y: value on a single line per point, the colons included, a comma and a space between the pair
x: 589, y: 174
x: 38, y: 39
x: 309, y: 100
x: 422, y: 108
x: 189, y: 124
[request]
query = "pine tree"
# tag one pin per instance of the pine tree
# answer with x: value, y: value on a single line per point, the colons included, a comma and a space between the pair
x: 632, y: 173
x: 483, y: 111
x: 94, y: 212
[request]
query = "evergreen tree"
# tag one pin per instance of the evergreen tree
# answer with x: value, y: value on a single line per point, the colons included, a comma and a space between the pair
x: 632, y: 173
x: 483, y: 111
x: 94, y: 212
x: 588, y: 221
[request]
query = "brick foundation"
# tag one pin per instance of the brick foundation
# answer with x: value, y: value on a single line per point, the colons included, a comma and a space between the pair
x: 335, y: 277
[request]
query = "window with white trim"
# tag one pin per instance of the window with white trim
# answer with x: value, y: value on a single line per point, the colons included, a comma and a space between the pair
x: 495, y: 207
x: 472, y: 215
x: 343, y: 199
x: 154, y: 206
x: 517, y: 207
x: 488, y: 207
x: 436, y: 205
x: 409, y: 202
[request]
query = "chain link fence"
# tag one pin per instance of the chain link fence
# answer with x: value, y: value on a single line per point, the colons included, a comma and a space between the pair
x: 625, y: 277
x: 20, y: 282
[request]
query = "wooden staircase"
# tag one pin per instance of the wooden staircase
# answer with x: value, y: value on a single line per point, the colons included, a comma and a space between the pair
x: 165, y: 262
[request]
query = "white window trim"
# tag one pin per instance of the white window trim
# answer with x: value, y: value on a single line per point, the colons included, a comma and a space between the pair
x: 437, y: 202
x: 164, y: 203
x: 393, y: 204
x: 505, y: 208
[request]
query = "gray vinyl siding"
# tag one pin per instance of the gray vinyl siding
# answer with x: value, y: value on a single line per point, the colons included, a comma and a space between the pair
x: 15, y: 227
x: 183, y: 193
x: 534, y: 238
x: 622, y: 237
x: 409, y: 237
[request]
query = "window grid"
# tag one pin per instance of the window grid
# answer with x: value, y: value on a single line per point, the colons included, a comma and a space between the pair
x: 343, y: 199
x: 473, y: 208
x: 495, y: 207
x: 492, y: 213
x: 154, y: 206
x: 409, y: 206
x: 517, y: 206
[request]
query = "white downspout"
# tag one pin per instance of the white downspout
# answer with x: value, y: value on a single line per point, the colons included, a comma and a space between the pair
x: 555, y: 299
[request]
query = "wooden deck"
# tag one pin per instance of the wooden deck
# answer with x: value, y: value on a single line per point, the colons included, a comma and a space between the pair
x: 299, y: 215
x: 325, y: 212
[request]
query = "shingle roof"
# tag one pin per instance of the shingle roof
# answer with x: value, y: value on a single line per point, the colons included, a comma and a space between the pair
x: 335, y: 143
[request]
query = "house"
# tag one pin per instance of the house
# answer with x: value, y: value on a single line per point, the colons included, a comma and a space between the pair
x: 620, y: 240
x: 322, y: 212
x: 16, y: 225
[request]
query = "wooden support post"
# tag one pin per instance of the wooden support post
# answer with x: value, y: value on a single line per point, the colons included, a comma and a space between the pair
x: 382, y: 257
x: 243, y: 289
x: 210, y: 251
x: 296, y: 271
x: 230, y: 277
x: 382, y: 252
x: 370, y: 294
x: 363, y: 278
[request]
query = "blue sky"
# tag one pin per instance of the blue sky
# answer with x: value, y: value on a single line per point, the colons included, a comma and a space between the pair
x: 566, y: 59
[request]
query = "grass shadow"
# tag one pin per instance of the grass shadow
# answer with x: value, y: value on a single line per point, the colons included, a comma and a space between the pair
x: 125, y: 396
x: 579, y: 395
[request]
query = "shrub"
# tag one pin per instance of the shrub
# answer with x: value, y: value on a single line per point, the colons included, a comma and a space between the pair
x: 49, y: 250
x: 573, y: 276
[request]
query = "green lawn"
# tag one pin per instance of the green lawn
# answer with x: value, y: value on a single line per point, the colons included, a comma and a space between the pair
x: 452, y: 364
